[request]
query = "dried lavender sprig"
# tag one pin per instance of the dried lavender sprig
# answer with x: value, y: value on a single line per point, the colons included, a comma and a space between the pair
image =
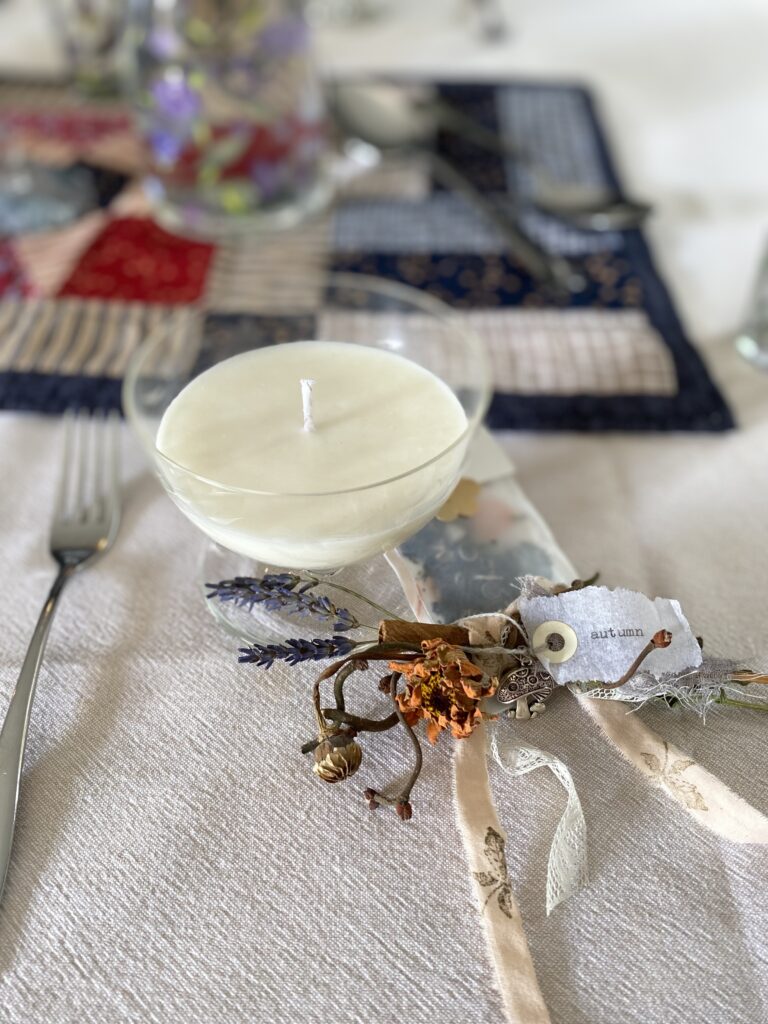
x: 314, y: 581
x: 277, y: 591
x: 294, y: 651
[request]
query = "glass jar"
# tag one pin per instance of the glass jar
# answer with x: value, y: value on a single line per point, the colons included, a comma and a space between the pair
x: 231, y: 112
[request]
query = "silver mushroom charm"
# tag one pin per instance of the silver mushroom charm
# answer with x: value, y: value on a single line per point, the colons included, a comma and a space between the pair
x: 526, y: 684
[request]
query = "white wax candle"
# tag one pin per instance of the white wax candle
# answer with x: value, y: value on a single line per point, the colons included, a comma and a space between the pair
x: 329, y: 496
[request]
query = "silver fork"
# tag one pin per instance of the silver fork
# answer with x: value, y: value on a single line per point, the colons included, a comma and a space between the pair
x: 85, y: 522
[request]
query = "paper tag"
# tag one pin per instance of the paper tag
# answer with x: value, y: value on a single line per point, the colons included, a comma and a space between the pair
x: 612, y: 627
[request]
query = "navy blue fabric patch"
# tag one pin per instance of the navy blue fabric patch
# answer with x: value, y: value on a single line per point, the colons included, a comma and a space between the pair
x: 471, y: 281
x: 107, y: 184
x: 484, y: 169
x: 56, y: 392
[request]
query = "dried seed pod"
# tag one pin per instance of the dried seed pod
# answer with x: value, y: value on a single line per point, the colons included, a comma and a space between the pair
x: 385, y: 683
x: 337, y: 757
x: 404, y: 810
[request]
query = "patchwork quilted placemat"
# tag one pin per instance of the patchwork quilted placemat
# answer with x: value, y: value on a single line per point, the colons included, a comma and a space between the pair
x: 77, y: 300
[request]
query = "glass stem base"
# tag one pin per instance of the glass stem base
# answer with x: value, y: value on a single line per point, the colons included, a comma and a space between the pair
x: 187, y: 215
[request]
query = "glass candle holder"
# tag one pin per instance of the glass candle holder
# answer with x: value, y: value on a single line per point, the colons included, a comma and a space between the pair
x: 231, y: 112
x: 407, y: 338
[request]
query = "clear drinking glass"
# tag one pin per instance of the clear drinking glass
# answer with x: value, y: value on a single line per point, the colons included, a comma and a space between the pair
x: 358, y: 310
x: 91, y: 34
x: 230, y: 109
x: 752, y: 340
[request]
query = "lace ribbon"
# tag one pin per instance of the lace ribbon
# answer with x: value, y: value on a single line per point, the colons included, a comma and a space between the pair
x: 567, y: 867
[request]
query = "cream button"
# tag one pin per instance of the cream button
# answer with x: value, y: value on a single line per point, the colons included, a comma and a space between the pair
x: 554, y: 641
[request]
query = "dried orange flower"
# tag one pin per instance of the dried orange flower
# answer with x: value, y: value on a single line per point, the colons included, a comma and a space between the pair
x: 443, y: 687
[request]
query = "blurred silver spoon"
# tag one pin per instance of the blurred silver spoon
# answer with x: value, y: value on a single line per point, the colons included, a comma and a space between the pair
x: 396, y: 112
x: 375, y: 122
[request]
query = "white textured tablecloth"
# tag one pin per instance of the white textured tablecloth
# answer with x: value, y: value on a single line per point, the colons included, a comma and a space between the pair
x: 175, y: 860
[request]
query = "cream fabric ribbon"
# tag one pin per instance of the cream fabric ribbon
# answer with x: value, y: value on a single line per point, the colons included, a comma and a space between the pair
x: 700, y: 792
x: 484, y: 843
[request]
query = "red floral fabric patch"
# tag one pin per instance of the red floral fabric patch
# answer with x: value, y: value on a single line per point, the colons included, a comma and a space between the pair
x: 136, y: 261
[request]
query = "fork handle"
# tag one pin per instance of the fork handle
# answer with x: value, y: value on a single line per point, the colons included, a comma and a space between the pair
x: 13, y: 736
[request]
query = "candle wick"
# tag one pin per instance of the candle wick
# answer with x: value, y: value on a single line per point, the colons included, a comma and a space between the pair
x: 306, y: 404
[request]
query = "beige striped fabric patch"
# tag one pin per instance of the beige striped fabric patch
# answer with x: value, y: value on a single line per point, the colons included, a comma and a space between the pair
x: 80, y: 337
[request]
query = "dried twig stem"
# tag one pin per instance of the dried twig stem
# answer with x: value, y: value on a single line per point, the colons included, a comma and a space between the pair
x: 338, y: 684
x: 411, y: 780
x: 341, y: 717
x: 731, y: 702
x: 401, y: 802
x: 321, y: 723
x: 661, y: 639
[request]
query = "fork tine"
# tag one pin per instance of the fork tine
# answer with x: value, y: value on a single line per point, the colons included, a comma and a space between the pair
x: 98, y: 505
x: 60, y: 504
x: 113, y: 458
x: 81, y: 448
